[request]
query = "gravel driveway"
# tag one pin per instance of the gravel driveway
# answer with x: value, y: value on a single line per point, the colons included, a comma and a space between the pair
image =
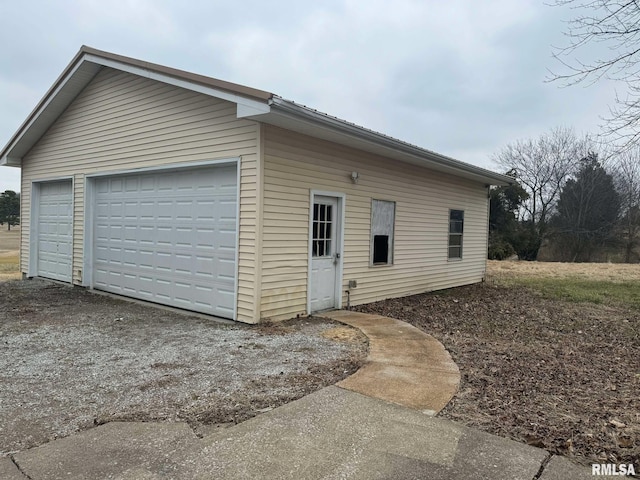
x: 71, y: 359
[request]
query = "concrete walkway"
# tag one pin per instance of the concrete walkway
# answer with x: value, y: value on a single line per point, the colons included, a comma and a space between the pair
x: 405, y: 366
x: 380, y: 433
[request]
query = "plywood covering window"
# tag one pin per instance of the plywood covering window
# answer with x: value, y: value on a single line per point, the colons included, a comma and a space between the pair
x: 383, y: 215
x: 456, y: 229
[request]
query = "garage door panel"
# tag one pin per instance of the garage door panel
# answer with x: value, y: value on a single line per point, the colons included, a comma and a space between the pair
x: 160, y: 236
x: 167, y: 264
x: 64, y: 249
x: 54, y: 227
x: 169, y: 238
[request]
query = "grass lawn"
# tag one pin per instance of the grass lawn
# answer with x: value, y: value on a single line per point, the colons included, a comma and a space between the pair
x: 605, y: 284
x: 625, y: 294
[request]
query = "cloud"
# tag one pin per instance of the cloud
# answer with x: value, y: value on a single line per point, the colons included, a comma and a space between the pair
x: 378, y: 65
x: 460, y: 77
x: 149, y: 19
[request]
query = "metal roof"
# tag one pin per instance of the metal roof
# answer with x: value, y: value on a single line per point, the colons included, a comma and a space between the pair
x: 251, y: 103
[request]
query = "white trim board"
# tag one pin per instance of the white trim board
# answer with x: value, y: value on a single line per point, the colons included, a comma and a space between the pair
x: 34, y: 216
x: 342, y: 200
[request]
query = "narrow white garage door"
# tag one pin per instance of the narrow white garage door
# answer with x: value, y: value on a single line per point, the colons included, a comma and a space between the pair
x: 168, y: 237
x: 54, y: 227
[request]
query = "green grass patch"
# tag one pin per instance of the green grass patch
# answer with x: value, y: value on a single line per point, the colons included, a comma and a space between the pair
x: 579, y: 290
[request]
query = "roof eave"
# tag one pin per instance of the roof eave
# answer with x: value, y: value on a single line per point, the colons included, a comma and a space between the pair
x: 10, y: 162
x: 372, y: 141
x: 81, y: 70
x: 251, y: 103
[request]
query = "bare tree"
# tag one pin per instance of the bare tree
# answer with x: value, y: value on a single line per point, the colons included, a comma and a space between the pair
x: 627, y: 178
x: 615, y: 24
x: 542, y: 166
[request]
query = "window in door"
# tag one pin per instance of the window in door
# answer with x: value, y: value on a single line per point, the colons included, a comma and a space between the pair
x: 322, y: 226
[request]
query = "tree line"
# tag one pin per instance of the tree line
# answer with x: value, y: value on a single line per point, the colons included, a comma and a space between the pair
x: 9, y: 208
x: 571, y: 200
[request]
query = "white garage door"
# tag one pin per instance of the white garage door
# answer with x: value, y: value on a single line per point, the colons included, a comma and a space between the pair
x: 54, y: 229
x: 168, y: 237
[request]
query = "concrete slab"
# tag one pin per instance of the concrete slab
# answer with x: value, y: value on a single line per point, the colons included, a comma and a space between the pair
x: 560, y: 468
x: 424, y: 352
x: 109, y: 450
x: 357, y: 318
x: 336, y: 433
x: 425, y: 390
x: 397, y: 330
x: 9, y: 471
x: 138, y: 474
x: 405, y: 365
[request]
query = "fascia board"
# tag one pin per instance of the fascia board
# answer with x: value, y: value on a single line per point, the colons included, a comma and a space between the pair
x: 34, y: 116
x: 246, y: 106
x: 10, y: 162
x: 257, y: 106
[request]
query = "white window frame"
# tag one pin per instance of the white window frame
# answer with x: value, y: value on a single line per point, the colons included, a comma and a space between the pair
x: 450, y: 234
x: 374, y: 233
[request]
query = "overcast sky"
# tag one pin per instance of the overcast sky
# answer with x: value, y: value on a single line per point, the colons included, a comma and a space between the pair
x: 461, y: 77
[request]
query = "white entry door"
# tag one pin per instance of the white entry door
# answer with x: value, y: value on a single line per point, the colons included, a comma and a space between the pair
x: 325, y: 255
x: 53, y: 235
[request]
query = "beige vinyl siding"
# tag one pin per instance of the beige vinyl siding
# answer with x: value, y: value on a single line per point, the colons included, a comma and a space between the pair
x: 121, y: 121
x: 295, y: 164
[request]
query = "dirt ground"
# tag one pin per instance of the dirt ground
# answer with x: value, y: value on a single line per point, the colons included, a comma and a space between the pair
x: 71, y: 359
x: 561, y: 376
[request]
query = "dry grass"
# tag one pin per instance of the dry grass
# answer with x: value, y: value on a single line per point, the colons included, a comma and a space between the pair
x: 613, y: 272
x: 9, y: 265
x: 598, y: 283
x: 9, y: 240
x: 9, y: 253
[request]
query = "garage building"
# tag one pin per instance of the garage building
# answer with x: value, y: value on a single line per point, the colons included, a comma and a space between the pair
x: 188, y: 191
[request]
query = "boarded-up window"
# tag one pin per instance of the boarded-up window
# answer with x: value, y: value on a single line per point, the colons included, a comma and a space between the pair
x: 383, y: 215
x: 456, y: 228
